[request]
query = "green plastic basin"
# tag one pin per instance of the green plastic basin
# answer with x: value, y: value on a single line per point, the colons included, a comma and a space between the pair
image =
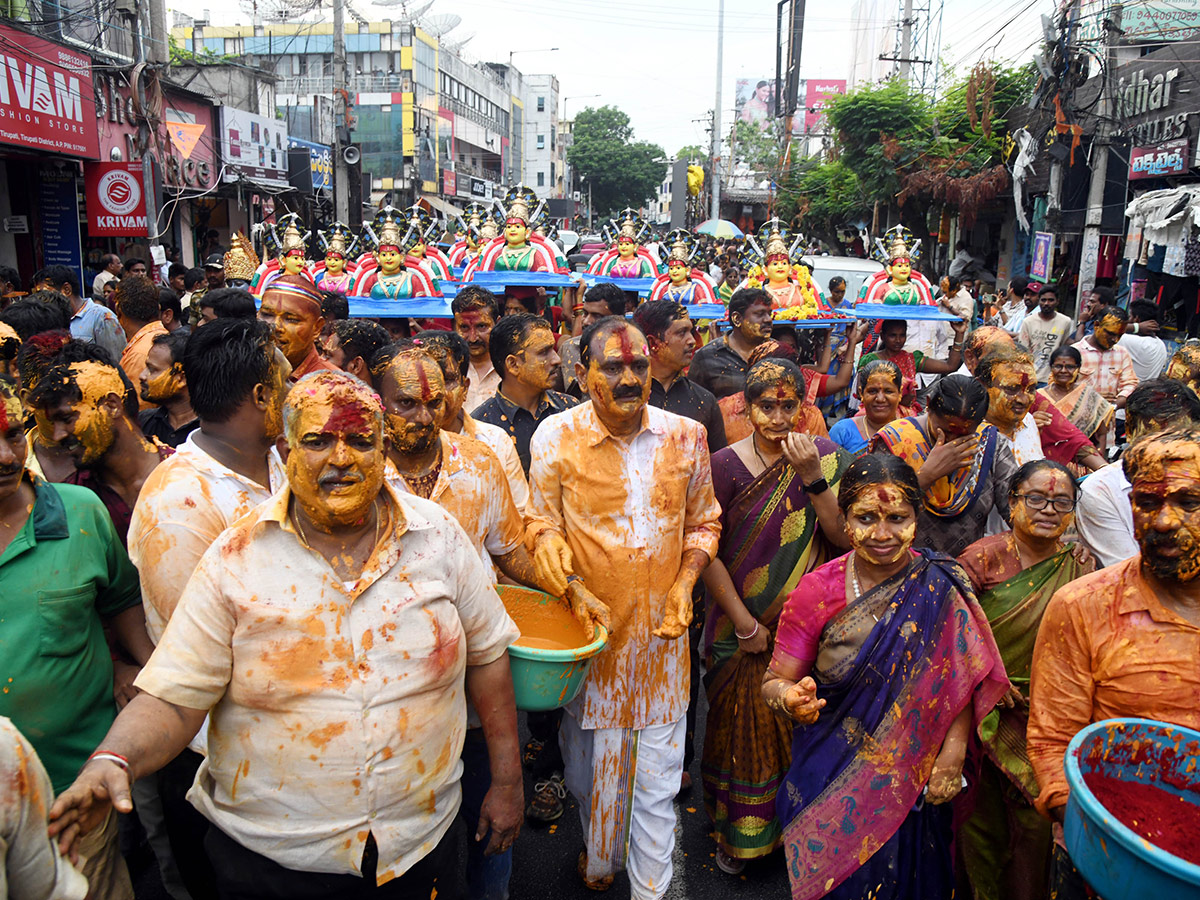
x: 548, y: 679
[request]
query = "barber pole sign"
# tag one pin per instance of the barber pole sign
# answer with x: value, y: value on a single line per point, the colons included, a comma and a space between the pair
x: 116, y: 199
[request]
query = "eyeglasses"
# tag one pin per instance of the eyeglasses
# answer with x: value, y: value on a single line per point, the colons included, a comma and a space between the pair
x: 1037, y: 501
x: 1064, y: 367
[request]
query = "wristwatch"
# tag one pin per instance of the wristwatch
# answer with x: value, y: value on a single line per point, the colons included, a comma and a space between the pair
x: 819, y: 486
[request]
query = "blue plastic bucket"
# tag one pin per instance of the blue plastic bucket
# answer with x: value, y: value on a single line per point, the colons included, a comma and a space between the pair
x: 1117, y: 862
x: 547, y: 679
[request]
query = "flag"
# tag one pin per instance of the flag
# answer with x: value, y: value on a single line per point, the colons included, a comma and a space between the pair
x: 184, y: 136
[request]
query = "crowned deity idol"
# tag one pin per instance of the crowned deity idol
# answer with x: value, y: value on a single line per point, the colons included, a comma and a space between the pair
x: 388, y: 278
x: 241, y: 262
x: 476, y: 227
x: 293, y: 251
x: 518, y: 249
x: 336, y: 272
x: 682, y: 283
x: 627, y: 258
x: 422, y: 254
x: 791, y: 288
x: 897, y: 284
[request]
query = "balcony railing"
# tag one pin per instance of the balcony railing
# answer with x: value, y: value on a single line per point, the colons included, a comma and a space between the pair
x: 366, y: 83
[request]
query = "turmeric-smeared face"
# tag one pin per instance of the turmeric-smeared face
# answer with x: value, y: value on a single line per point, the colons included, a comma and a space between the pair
x: 86, y: 428
x: 414, y: 401
x: 456, y: 389
x: 295, y: 321
x: 1011, y: 394
x: 775, y: 412
x: 1185, y: 365
x: 1108, y: 331
x: 880, y: 397
x: 1166, y: 507
x: 275, y: 392
x: 475, y: 326
x: 161, y: 380
x: 881, y: 524
x: 618, y: 375
x: 13, y: 447
x: 1054, y: 492
x: 536, y: 363
x: 335, y: 461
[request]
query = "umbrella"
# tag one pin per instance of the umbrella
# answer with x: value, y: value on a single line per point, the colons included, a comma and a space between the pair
x: 719, y: 228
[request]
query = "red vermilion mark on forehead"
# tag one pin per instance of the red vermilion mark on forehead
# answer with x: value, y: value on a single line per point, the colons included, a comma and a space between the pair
x: 3, y: 417
x: 1024, y: 380
x: 426, y: 391
x: 348, y: 416
x: 882, y: 494
x: 626, y: 346
x: 780, y: 392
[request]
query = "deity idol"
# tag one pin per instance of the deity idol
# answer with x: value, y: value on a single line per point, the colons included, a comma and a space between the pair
x: 518, y: 250
x: 293, y: 250
x: 627, y: 258
x: 790, y: 286
x: 477, y: 229
x: 337, y: 272
x: 682, y: 283
x: 268, y: 269
x: 898, y: 284
x: 241, y: 262
x: 389, y: 279
x: 421, y: 254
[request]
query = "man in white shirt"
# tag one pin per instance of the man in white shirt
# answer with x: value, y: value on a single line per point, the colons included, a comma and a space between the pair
x: 1044, y: 332
x: 110, y: 270
x: 334, y: 632
x: 1146, y: 348
x: 1103, y: 516
x: 1019, y: 301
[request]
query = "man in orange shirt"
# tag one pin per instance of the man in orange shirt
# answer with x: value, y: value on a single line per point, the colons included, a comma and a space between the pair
x: 621, y: 495
x: 1124, y: 641
x: 137, y: 311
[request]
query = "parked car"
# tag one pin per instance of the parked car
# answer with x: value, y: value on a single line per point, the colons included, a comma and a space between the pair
x: 856, y: 271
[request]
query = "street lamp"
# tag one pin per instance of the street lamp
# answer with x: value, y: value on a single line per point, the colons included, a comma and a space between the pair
x: 511, y: 53
x: 567, y: 100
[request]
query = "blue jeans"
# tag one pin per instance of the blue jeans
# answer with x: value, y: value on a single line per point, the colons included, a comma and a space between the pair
x: 487, y: 876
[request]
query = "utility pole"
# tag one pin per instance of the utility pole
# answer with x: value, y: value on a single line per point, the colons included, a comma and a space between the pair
x: 1070, y: 17
x: 157, y: 52
x: 716, y: 135
x: 341, y: 131
x: 1095, y: 208
x: 904, y: 51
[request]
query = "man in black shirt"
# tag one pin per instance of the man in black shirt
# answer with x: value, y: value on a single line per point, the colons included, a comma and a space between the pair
x: 720, y: 365
x: 522, y: 350
x: 163, y: 383
x: 668, y: 330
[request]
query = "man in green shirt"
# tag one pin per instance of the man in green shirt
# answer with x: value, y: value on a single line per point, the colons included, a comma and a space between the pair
x: 63, y: 576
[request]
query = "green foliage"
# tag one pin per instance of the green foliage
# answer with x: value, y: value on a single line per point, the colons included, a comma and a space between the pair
x: 759, y: 148
x: 619, y: 171
x: 182, y: 57
x: 826, y: 195
x: 693, y: 153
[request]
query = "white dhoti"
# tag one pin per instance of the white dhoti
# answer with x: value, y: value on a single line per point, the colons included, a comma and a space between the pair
x: 626, y: 782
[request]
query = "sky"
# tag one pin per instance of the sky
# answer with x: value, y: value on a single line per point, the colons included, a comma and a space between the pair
x: 656, y: 59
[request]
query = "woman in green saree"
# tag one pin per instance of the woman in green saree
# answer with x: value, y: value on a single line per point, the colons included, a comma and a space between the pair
x: 1005, y: 845
x: 779, y: 520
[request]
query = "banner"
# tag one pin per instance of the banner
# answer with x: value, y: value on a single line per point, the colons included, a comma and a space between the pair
x: 320, y: 162
x: 116, y: 199
x: 255, y: 147
x: 58, y: 215
x: 1043, y: 256
x: 46, y: 97
x: 185, y: 136
x: 1170, y: 158
x: 816, y: 97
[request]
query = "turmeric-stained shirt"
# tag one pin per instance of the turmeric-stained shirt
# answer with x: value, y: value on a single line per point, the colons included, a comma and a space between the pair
x: 1107, y: 647
x: 338, y: 709
x: 506, y: 451
x: 187, y: 501
x: 314, y: 362
x: 628, y: 510
x: 133, y: 358
x: 471, y: 487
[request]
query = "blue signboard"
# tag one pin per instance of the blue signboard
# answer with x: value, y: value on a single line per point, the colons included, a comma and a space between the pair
x: 58, y: 196
x: 321, y: 162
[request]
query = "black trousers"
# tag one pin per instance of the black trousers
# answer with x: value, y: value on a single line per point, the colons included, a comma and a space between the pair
x: 243, y: 874
x: 185, y: 826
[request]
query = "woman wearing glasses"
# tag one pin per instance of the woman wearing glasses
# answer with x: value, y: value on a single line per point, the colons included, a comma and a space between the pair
x: 1006, y: 845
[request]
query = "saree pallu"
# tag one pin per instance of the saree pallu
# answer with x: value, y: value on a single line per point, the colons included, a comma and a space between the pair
x: 953, y: 494
x: 856, y: 822
x: 1061, y: 441
x: 1005, y: 843
x: 772, y: 539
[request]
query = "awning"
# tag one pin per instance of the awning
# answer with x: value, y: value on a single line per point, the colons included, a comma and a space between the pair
x: 446, y: 209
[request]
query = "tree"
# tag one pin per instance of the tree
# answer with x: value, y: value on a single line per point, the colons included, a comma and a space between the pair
x: 692, y: 153
x: 819, y: 198
x: 619, y: 171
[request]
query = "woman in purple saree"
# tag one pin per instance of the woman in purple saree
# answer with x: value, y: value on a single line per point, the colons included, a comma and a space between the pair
x: 885, y: 662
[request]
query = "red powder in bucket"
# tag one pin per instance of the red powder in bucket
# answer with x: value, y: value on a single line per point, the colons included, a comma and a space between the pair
x: 544, y: 626
x: 1168, y: 821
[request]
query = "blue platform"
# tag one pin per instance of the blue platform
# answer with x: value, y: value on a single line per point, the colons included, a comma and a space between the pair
x: 908, y: 313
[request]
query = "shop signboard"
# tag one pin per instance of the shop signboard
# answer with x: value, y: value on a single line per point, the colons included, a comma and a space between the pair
x: 1043, y: 256
x: 817, y: 92
x: 449, y: 183
x: 481, y: 189
x: 46, y: 100
x: 58, y: 212
x: 1146, y: 20
x: 1170, y: 158
x: 320, y: 160
x: 116, y: 199
x: 254, y: 147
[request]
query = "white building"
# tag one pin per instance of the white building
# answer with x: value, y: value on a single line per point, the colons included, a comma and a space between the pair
x: 543, y: 152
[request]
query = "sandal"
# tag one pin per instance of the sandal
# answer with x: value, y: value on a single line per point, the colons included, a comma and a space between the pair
x: 600, y: 884
x: 728, y: 864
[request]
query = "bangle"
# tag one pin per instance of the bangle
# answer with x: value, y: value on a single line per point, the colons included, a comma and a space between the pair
x: 111, y: 757
x: 746, y: 637
x: 819, y: 486
x: 1137, y: 328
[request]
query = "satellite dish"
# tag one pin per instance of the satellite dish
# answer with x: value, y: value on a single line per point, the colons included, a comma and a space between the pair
x: 278, y: 10
x: 457, y: 45
x: 441, y: 23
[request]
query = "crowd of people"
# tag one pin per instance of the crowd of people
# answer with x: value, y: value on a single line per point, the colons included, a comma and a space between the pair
x: 248, y: 555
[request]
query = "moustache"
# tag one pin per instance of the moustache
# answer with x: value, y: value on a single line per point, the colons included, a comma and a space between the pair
x: 331, y: 477
x: 627, y: 393
x: 10, y: 470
